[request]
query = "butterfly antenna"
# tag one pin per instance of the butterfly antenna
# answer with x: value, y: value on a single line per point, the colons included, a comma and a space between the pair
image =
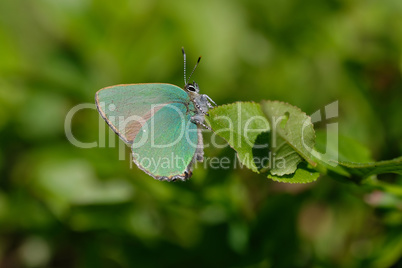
x: 184, y: 57
x: 198, y: 61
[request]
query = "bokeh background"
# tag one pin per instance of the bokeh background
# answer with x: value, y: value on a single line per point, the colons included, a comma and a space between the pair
x: 65, y: 206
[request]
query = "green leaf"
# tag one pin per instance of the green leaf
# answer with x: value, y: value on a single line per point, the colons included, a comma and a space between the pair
x: 303, y: 174
x: 245, y: 128
x: 292, y: 136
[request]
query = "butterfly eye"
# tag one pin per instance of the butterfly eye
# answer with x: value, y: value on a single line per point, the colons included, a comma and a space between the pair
x: 191, y: 88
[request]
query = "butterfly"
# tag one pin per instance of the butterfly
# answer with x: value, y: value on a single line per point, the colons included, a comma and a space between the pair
x: 162, y: 123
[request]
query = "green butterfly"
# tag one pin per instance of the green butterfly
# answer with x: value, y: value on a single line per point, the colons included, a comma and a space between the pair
x: 162, y: 123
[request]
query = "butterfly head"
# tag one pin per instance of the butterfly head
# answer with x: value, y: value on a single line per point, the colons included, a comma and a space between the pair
x: 192, y: 87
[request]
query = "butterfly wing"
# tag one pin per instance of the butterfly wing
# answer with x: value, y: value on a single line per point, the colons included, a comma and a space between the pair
x: 127, y: 107
x: 155, y: 120
x: 166, y: 145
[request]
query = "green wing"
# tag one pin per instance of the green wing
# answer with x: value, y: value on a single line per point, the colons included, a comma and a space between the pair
x: 165, y: 146
x: 127, y: 107
x: 155, y: 119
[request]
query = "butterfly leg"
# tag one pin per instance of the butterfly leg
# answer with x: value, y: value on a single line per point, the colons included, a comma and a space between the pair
x: 199, y: 152
x: 210, y: 100
x: 199, y: 120
x: 202, y: 124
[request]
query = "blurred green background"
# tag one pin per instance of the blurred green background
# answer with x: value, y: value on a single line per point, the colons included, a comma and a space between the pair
x: 64, y: 206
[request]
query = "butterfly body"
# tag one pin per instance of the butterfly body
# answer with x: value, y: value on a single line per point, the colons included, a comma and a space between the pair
x: 162, y: 124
